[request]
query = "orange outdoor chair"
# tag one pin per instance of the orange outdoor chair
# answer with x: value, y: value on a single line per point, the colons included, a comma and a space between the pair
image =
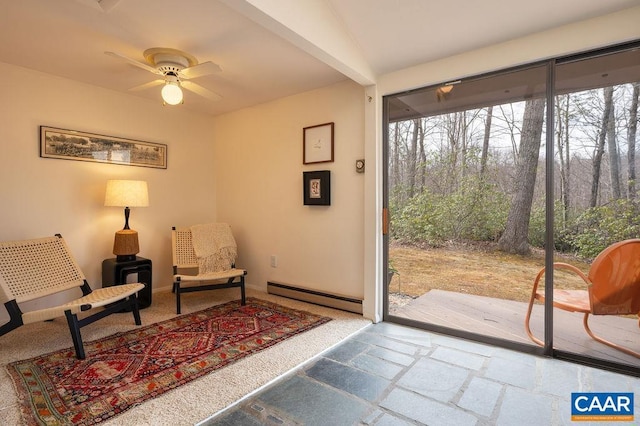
x: 613, y: 288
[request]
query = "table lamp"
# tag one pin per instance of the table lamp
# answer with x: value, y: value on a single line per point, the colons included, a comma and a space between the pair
x: 126, y: 193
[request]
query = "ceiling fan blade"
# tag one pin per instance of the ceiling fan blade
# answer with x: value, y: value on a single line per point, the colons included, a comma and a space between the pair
x: 199, y: 90
x: 199, y: 70
x: 148, y: 85
x: 134, y: 62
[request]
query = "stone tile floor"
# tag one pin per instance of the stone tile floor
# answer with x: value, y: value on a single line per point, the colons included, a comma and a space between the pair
x: 389, y: 375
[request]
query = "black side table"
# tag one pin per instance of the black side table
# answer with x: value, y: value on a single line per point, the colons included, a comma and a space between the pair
x: 115, y: 272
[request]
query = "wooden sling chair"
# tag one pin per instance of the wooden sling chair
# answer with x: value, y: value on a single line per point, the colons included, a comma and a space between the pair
x: 612, y: 288
x: 212, y: 268
x: 35, y: 268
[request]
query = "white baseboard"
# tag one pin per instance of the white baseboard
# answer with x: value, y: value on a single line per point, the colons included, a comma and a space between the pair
x: 317, y: 297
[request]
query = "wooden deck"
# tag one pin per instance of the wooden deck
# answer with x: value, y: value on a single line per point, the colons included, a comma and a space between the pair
x: 505, y: 319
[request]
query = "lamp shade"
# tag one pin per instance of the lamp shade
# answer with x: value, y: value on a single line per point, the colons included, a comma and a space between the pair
x: 126, y: 193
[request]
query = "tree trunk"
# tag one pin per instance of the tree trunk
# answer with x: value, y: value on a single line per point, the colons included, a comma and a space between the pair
x: 566, y: 191
x: 514, y: 238
x: 394, y: 159
x: 614, y: 159
x: 597, y: 158
x: 463, y: 137
x: 631, y: 138
x: 562, y: 141
x: 453, y: 139
x: 422, y: 158
x: 413, y: 154
x: 485, y: 141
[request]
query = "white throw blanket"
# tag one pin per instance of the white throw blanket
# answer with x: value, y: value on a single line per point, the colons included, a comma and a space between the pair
x: 214, y: 246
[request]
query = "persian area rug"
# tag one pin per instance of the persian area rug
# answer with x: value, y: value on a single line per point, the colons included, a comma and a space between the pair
x: 125, y: 369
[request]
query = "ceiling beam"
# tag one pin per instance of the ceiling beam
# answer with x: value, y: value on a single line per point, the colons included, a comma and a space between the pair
x: 312, y: 26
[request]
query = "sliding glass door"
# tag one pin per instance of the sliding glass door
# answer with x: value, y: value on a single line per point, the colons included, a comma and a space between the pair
x: 491, y: 179
x: 596, y: 196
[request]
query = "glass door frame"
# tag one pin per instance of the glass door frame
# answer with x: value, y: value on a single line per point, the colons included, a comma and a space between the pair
x: 547, y: 350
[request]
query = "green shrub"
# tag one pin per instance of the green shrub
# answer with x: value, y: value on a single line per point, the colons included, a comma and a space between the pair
x: 599, y: 227
x: 563, y: 232
x: 475, y: 211
x: 413, y: 223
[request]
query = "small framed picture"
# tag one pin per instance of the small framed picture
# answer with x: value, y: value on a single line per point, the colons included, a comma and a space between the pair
x: 317, y: 188
x: 317, y: 144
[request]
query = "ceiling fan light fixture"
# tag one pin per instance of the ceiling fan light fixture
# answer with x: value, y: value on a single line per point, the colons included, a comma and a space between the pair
x: 177, y: 68
x: 172, y: 94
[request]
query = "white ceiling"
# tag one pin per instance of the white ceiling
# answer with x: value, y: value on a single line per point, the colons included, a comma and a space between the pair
x: 267, y: 49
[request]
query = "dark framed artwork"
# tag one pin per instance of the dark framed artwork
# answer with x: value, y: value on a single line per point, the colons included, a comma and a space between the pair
x: 82, y: 146
x: 317, y: 144
x: 317, y: 188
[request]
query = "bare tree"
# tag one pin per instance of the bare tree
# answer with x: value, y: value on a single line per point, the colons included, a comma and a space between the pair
x: 395, y: 157
x: 422, y: 156
x: 455, y: 137
x: 514, y: 238
x: 413, y: 157
x: 562, y: 141
x: 400, y: 134
x: 511, y: 126
x: 597, y: 158
x: 485, y: 141
x: 463, y: 142
x: 614, y: 159
x: 631, y: 138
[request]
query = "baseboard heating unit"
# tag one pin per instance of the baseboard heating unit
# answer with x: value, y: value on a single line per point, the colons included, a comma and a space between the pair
x: 316, y: 297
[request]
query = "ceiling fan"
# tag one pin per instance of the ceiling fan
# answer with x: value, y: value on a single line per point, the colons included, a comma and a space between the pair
x: 177, y: 68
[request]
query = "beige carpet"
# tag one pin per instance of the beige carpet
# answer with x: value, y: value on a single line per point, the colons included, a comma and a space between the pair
x: 195, y: 401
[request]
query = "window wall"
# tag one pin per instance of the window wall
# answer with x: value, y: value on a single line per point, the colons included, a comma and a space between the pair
x: 491, y: 179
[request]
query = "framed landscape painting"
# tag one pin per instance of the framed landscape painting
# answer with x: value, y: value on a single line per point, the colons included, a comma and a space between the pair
x: 82, y: 146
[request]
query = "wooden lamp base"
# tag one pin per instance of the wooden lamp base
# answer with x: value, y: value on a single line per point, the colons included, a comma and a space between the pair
x: 125, y: 245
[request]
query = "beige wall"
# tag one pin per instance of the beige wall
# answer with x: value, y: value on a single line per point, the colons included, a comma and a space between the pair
x: 259, y: 176
x: 258, y: 167
x: 41, y: 197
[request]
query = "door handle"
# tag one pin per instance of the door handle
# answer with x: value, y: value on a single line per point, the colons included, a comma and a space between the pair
x: 385, y: 221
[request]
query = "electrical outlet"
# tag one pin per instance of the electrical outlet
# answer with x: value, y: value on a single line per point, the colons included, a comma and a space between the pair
x: 274, y: 261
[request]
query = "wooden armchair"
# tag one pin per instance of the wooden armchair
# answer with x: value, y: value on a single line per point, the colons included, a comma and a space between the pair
x: 192, y: 272
x: 612, y: 288
x: 31, y: 269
